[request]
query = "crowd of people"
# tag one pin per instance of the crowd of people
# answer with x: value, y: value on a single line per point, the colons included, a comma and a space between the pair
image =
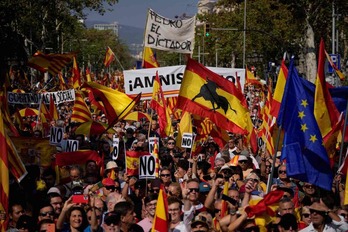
x: 104, y: 197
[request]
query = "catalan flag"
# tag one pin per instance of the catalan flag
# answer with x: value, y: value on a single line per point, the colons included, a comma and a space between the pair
x: 161, y: 222
x: 62, y: 84
x: 109, y: 57
x: 159, y: 104
x: 267, y: 121
x: 76, y: 75
x: 149, y: 58
x: 117, y: 104
x: 52, y: 63
x: 207, y: 94
x: 44, y: 111
x: 80, y: 111
x: 224, y: 206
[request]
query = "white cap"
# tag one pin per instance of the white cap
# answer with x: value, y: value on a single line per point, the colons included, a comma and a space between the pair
x: 111, y: 165
x: 54, y: 190
x: 242, y: 157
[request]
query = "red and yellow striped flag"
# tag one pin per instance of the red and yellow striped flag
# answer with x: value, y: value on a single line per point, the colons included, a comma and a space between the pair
x: 325, y: 111
x: 76, y: 75
x: 155, y: 153
x: 250, y: 77
x: 279, y: 89
x: 149, y: 58
x: 159, y: 104
x: 88, y: 75
x: 109, y: 57
x: 62, y: 84
x: 4, y: 174
x: 207, y: 94
x: 53, y: 109
x: 185, y: 126
x: 267, y: 121
x: 43, y: 110
x: 132, y: 162
x: 80, y: 111
x: 160, y: 222
x: 224, y: 206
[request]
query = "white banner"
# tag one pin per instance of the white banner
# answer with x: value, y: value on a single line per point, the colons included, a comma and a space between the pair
x: 35, y: 98
x: 176, y: 35
x: 141, y: 80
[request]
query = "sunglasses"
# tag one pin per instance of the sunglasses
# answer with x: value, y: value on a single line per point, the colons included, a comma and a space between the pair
x: 343, y: 214
x: 253, y: 180
x: 242, y: 161
x: 316, y: 211
x: 165, y: 175
x: 282, y: 172
x: 153, y: 190
x: 193, y: 189
x: 98, y: 217
x: 217, y: 210
x: 207, y: 177
x: 170, y: 143
x: 110, y: 188
x: 50, y: 213
x: 308, y: 186
x: 306, y: 215
x: 268, y: 166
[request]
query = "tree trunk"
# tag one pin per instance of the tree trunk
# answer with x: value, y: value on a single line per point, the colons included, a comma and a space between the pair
x: 310, y: 58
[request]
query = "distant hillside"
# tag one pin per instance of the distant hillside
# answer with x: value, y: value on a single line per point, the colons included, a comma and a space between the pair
x: 129, y: 35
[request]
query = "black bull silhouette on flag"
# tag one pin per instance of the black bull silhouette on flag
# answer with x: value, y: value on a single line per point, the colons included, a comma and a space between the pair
x: 209, y: 92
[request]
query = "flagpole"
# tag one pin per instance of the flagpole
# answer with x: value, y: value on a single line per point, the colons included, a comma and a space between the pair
x: 344, y: 132
x: 270, y: 176
x: 119, y: 62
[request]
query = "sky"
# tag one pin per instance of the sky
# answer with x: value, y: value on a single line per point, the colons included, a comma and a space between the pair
x: 133, y: 12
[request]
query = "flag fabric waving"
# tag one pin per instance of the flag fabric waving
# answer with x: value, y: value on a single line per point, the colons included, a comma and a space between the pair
x: 149, y: 58
x: 160, y: 221
x: 325, y: 111
x: 279, y: 89
x: 80, y: 111
x: 338, y: 72
x: 76, y: 75
x: 53, y: 109
x: 88, y: 75
x: 52, y: 63
x: 159, y: 104
x: 306, y: 157
x: 132, y: 162
x: 207, y: 94
x: 4, y: 174
x: 117, y: 104
x: 109, y: 57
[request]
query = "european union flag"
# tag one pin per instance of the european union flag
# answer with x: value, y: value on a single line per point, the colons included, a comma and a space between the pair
x: 306, y: 157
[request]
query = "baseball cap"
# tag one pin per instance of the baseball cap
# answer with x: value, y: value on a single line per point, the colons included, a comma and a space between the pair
x: 204, y: 187
x: 200, y: 220
x: 242, y: 158
x: 54, y: 190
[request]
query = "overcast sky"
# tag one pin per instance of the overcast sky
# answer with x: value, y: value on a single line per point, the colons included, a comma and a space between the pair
x: 133, y: 12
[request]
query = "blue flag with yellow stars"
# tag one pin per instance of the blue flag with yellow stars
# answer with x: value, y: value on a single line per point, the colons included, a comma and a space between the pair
x: 303, y: 150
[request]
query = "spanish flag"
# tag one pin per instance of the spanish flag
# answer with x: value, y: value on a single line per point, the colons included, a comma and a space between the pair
x: 76, y: 75
x: 160, y: 222
x: 207, y: 94
x: 132, y: 162
x: 325, y: 111
x: 159, y: 104
x: 117, y: 104
x: 109, y: 57
x: 137, y: 116
x: 279, y: 89
x: 149, y: 58
x: 4, y: 174
x: 53, y: 109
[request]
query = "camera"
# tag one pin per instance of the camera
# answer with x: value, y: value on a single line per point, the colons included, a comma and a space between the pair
x: 78, y: 196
